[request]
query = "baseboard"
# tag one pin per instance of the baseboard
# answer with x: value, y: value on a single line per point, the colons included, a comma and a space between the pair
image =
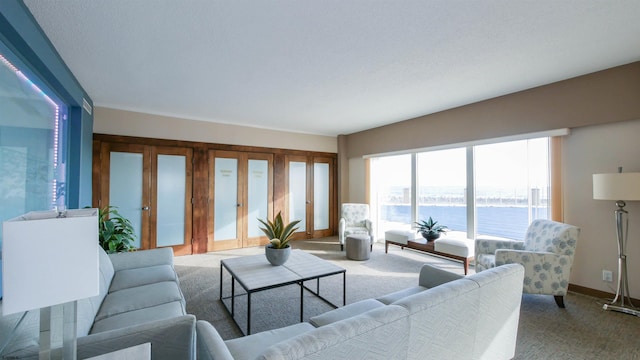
x: 595, y: 293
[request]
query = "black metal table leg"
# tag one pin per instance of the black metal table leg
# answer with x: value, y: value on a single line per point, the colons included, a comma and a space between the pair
x: 249, y: 313
x: 301, y: 300
x: 344, y: 288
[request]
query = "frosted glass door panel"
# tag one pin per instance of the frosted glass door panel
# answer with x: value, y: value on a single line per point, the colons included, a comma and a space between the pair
x: 257, y: 195
x: 320, y: 196
x: 125, y: 188
x: 226, y: 199
x: 170, y: 199
x: 298, y: 193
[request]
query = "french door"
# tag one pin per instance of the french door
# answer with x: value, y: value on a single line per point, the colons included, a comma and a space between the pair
x: 152, y: 187
x: 309, y: 195
x: 240, y: 193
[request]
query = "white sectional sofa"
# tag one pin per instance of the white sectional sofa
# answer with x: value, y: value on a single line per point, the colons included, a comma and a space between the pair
x: 446, y: 316
x: 140, y: 301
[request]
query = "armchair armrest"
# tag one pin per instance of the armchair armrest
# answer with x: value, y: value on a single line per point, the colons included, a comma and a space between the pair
x: 342, y: 225
x: 545, y: 273
x: 170, y: 339
x: 142, y: 258
x: 369, y: 225
x: 489, y: 244
x: 431, y: 276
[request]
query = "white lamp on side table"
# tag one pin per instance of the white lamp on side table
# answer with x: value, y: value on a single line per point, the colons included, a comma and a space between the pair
x: 619, y: 187
x: 50, y: 260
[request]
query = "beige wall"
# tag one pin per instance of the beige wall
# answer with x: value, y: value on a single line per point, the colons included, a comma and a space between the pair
x: 606, y: 96
x: 600, y: 149
x: 128, y: 123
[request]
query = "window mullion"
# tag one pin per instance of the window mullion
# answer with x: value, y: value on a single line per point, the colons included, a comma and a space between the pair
x: 471, y: 194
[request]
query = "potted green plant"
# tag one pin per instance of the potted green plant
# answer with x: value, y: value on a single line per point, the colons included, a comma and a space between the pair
x: 279, y: 234
x: 115, y: 232
x: 430, y: 229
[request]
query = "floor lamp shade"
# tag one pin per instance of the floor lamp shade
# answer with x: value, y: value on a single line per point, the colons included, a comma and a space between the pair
x: 616, y: 186
x: 49, y: 260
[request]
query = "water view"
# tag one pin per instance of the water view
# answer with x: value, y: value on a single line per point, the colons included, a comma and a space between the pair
x: 505, y: 221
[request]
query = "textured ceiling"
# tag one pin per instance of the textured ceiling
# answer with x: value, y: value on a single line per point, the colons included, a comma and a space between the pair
x: 329, y: 67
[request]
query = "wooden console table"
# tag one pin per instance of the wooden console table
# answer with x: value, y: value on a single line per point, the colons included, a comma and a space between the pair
x: 428, y: 247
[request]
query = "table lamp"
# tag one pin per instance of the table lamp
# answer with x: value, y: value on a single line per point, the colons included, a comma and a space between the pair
x: 620, y: 187
x: 50, y: 260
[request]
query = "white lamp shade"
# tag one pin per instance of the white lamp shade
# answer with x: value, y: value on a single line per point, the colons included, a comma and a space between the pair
x: 49, y: 260
x: 616, y: 186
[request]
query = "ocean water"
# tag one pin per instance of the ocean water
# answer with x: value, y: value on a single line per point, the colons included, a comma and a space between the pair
x: 505, y: 221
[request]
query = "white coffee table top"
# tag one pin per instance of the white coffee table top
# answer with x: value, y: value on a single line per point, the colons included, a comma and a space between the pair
x: 255, y: 272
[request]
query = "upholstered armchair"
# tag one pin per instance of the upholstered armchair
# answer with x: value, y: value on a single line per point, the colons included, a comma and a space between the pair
x: 354, y: 219
x: 546, y: 254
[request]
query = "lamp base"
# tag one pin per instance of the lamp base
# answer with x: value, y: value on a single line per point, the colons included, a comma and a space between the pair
x: 622, y: 309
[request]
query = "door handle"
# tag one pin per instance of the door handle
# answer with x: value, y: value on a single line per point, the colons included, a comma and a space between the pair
x: 239, y: 205
x: 145, y: 208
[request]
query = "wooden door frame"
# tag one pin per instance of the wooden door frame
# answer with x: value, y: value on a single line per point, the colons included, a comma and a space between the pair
x: 258, y: 240
x: 105, y: 173
x: 212, y: 244
x: 186, y: 247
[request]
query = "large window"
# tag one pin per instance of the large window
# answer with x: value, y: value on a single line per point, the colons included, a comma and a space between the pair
x: 491, y: 189
x: 442, y: 186
x: 512, y: 186
x: 391, y: 177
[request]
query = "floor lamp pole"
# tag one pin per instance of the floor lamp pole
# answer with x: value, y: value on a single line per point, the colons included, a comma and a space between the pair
x: 622, y: 301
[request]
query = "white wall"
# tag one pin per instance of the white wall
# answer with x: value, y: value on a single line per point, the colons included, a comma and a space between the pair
x: 587, y: 151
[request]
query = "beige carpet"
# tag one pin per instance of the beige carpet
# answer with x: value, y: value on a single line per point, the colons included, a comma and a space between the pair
x: 581, y: 331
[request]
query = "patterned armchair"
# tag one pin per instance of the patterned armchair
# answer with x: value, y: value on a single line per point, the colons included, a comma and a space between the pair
x: 354, y: 219
x: 546, y: 254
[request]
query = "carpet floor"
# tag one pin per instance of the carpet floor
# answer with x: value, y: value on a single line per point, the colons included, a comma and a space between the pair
x: 580, y: 331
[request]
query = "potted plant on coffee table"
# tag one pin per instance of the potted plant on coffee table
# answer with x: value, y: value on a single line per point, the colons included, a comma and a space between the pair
x: 430, y: 229
x: 278, y: 250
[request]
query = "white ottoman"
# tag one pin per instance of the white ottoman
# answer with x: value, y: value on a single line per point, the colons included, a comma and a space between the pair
x: 401, y: 236
x: 455, y: 243
x: 358, y: 247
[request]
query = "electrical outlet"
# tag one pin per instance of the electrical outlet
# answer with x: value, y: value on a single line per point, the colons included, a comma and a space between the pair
x: 607, y: 276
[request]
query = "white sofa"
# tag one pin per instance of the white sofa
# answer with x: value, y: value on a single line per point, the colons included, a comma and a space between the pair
x: 446, y: 316
x: 140, y: 301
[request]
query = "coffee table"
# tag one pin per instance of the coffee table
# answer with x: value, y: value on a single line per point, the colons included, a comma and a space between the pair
x: 255, y: 273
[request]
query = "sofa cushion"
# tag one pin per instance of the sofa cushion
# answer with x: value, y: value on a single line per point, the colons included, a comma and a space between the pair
x: 437, y: 315
x: 139, y: 298
x: 395, y: 296
x: 129, y: 278
x: 345, y: 312
x: 140, y: 316
x: 381, y: 333
x: 89, y: 307
x: 249, y: 347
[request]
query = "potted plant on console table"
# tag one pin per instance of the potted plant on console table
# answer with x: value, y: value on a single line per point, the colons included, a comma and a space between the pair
x: 278, y: 250
x: 430, y: 229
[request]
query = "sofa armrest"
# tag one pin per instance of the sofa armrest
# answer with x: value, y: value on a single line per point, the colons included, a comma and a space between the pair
x: 432, y: 276
x: 170, y: 339
x: 489, y: 245
x: 142, y: 258
x: 210, y: 345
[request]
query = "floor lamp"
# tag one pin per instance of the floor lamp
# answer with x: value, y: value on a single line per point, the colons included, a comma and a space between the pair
x: 619, y: 187
x: 50, y: 260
